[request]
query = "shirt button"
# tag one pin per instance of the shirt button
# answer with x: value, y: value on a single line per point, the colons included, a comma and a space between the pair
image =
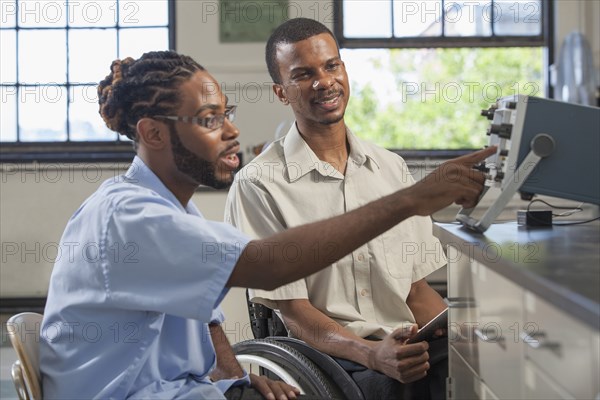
x: 361, y: 257
x: 364, y: 292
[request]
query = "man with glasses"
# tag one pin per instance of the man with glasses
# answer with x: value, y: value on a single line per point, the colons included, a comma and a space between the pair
x: 352, y: 310
x: 133, y: 310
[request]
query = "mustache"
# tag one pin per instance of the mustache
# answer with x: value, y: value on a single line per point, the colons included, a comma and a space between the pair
x: 233, y: 145
x: 328, y: 94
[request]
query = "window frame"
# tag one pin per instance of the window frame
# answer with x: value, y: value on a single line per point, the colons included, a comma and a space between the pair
x: 545, y: 39
x: 68, y: 150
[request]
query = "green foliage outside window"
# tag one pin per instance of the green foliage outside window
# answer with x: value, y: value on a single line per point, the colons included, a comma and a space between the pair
x: 439, y: 95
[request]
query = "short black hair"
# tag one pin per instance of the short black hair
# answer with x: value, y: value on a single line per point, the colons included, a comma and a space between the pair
x: 292, y: 31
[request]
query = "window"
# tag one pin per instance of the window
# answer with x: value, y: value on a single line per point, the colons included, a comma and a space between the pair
x: 420, y: 71
x: 53, y: 54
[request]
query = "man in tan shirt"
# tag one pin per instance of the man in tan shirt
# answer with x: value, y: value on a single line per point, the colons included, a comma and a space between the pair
x: 318, y: 170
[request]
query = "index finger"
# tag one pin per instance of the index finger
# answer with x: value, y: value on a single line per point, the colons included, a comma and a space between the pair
x: 477, y: 156
x: 414, y: 349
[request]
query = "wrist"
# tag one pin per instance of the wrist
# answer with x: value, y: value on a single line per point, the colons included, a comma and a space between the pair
x: 371, y: 360
x: 405, y: 203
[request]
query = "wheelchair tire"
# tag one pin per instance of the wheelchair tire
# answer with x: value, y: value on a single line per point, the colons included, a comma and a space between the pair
x: 308, y: 375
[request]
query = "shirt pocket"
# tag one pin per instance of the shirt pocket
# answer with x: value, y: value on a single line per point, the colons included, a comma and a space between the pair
x: 401, y: 250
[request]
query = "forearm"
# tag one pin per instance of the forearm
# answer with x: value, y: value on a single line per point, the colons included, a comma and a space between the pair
x: 424, y: 302
x: 301, y: 251
x: 304, y: 250
x: 321, y: 332
x: 227, y: 364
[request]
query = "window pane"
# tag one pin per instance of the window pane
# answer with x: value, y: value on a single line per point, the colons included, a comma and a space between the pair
x: 135, y: 42
x: 54, y: 83
x: 8, y: 56
x: 431, y: 98
x: 518, y: 17
x: 417, y: 18
x: 85, y: 122
x: 42, y: 14
x: 8, y: 111
x: 467, y: 18
x: 88, y: 13
x: 43, y: 113
x: 145, y: 12
x: 359, y: 65
x: 8, y: 12
x: 367, y: 19
x: 91, y: 52
x: 42, y: 56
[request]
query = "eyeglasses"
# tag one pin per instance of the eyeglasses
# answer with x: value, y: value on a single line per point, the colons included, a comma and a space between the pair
x: 212, y: 123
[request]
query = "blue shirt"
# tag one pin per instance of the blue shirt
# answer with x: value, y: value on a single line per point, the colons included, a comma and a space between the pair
x: 137, y: 280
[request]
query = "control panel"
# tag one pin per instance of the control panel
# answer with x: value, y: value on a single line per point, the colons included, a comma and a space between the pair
x: 543, y: 146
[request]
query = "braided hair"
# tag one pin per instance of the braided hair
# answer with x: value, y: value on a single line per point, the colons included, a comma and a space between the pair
x: 140, y: 88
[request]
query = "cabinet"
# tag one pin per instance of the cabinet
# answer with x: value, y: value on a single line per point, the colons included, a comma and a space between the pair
x: 524, y: 312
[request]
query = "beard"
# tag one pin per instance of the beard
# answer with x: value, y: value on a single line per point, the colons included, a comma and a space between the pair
x: 331, y: 121
x: 199, y: 169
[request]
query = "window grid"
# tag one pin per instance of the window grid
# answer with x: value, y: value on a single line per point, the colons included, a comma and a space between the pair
x: 543, y: 39
x: 442, y: 40
x: 12, y: 149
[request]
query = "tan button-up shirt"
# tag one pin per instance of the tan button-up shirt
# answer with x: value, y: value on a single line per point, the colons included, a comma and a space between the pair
x: 287, y: 185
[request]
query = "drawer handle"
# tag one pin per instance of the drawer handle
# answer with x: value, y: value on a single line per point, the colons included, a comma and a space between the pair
x: 460, y: 299
x: 538, y: 340
x: 461, y: 302
x: 483, y: 336
x: 462, y: 305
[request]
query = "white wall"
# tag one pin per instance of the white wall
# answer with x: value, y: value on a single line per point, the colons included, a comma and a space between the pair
x: 37, y: 200
x: 582, y: 16
x: 240, y: 68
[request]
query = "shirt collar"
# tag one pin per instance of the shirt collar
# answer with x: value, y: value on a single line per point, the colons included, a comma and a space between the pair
x: 300, y: 159
x: 140, y: 174
x: 358, y: 153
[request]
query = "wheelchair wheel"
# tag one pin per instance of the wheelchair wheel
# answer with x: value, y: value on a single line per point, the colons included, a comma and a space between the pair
x: 281, y: 362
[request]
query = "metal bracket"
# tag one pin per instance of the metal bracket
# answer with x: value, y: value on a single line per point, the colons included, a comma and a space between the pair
x: 542, y: 145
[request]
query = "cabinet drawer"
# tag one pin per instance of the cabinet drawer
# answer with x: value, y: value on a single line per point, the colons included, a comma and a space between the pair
x: 485, y: 316
x: 500, y: 314
x: 538, y: 385
x: 561, y: 347
x: 462, y: 307
x: 463, y: 382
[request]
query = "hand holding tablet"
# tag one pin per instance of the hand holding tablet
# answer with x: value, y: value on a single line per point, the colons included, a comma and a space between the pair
x: 427, y: 332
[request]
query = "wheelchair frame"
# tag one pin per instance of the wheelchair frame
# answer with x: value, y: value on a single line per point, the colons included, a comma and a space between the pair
x: 292, y: 360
